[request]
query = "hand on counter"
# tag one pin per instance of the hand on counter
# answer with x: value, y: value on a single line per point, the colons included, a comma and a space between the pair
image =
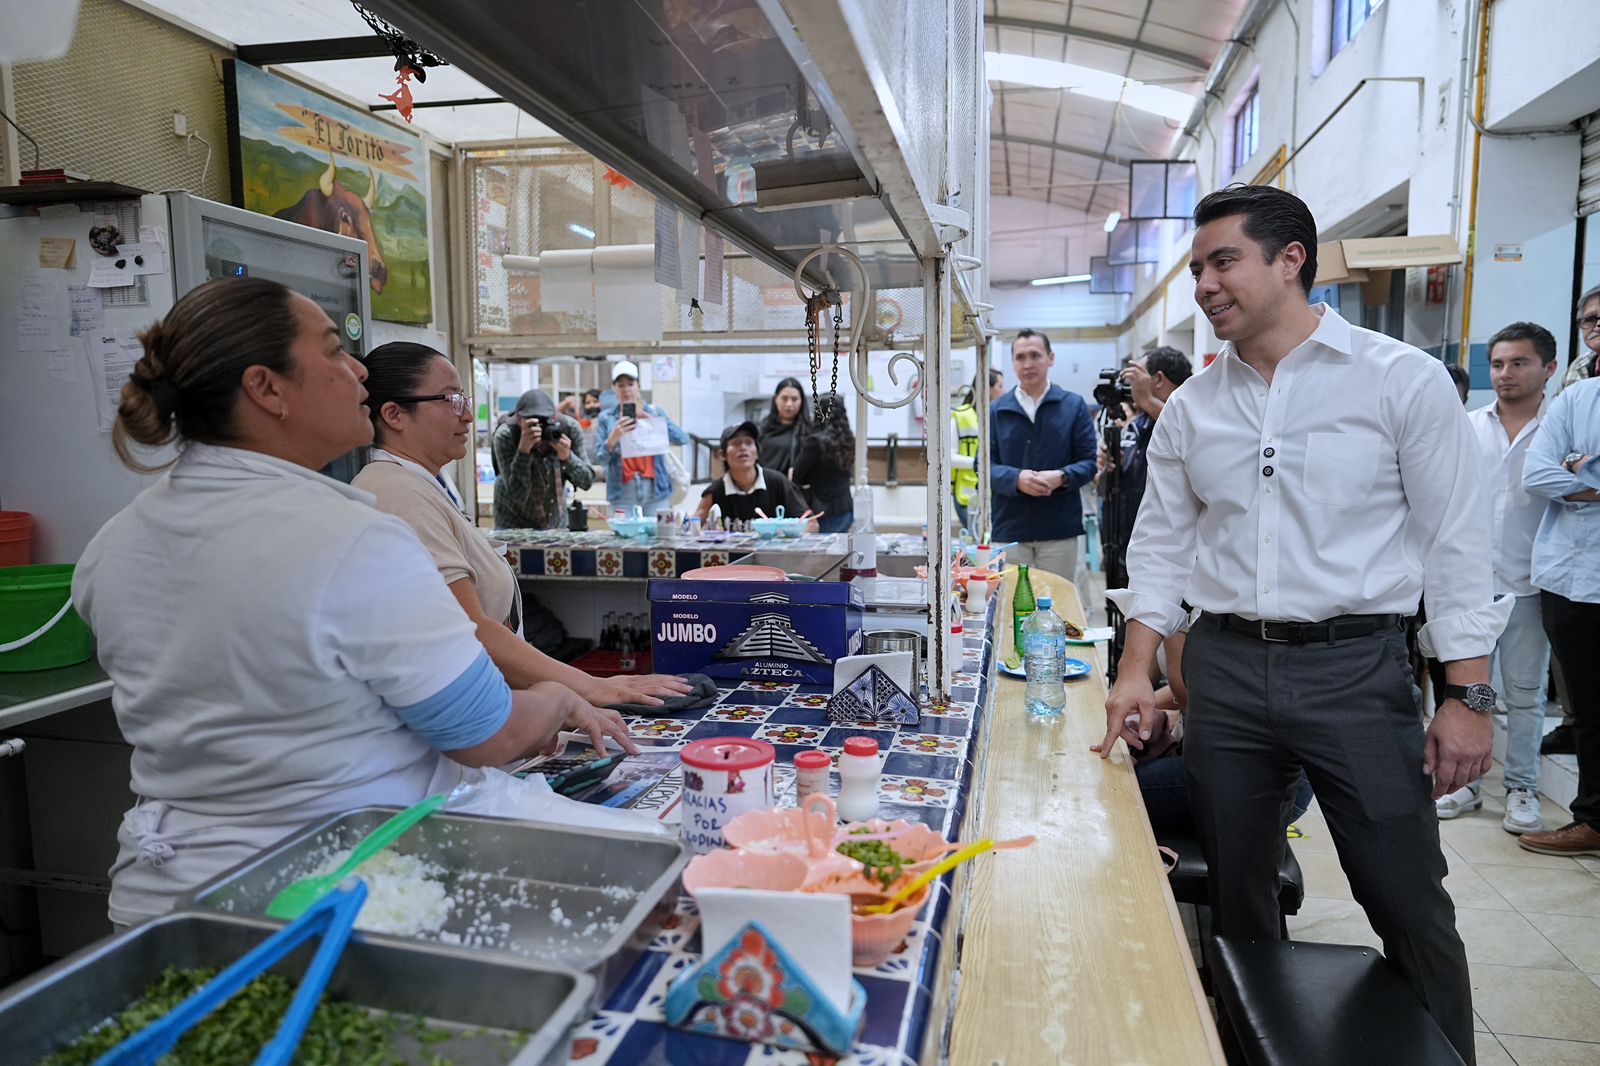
x: 600, y: 723
x: 646, y: 689
x: 1132, y: 700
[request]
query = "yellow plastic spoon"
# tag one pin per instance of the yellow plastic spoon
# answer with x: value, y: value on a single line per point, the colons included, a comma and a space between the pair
x: 910, y: 890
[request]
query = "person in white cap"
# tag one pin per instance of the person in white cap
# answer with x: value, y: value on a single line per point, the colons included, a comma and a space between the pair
x: 633, y: 443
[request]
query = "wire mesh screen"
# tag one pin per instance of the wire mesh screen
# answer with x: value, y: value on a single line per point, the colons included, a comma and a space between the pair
x: 909, y: 41
x: 965, y: 143
x: 529, y: 201
x: 150, y: 69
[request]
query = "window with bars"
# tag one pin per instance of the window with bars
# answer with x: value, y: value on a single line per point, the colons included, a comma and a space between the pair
x: 1348, y: 18
x: 1247, y: 128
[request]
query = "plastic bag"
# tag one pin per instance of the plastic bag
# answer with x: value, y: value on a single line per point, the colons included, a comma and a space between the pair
x: 498, y: 794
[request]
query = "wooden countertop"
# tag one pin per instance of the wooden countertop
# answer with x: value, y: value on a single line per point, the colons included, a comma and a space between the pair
x: 1070, y: 951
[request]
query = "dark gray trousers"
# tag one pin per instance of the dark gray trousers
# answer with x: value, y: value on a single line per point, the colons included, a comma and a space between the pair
x: 1346, y: 712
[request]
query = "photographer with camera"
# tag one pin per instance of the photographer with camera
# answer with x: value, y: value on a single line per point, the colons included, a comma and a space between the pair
x: 1144, y: 385
x: 534, y: 449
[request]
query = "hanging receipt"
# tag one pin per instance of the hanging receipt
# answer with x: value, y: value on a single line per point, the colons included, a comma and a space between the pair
x: 112, y: 354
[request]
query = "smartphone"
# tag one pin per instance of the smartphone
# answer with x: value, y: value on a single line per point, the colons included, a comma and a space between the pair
x: 630, y: 410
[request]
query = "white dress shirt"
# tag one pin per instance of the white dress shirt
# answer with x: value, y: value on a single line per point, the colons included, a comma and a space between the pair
x: 1516, y: 514
x: 1030, y: 404
x: 1352, y: 485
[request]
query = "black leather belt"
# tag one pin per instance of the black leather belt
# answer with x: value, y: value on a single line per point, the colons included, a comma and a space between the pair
x: 1343, y: 627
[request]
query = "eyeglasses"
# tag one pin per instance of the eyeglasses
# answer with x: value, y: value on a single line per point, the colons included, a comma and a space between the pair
x: 1588, y: 322
x: 457, y: 400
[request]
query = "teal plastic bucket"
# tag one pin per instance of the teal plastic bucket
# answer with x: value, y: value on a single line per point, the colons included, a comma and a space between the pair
x: 43, y: 635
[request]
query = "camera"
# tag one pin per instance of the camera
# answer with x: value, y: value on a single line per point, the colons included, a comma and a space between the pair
x: 1112, y: 389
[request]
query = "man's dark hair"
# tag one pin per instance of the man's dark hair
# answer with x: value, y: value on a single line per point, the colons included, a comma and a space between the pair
x: 1543, y: 342
x: 997, y: 376
x: 1169, y: 361
x: 1458, y: 377
x: 587, y: 393
x: 1024, y: 333
x: 1272, y: 218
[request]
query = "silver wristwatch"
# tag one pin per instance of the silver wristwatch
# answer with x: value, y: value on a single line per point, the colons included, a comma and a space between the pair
x: 1479, y: 697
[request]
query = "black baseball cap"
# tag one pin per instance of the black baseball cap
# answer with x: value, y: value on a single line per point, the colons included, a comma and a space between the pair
x: 747, y: 428
x: 534, y: 404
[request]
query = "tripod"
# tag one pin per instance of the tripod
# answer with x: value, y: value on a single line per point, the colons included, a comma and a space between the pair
x: 1113, y: 539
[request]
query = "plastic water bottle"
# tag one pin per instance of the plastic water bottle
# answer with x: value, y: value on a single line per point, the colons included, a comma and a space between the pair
x: 1044, y: 642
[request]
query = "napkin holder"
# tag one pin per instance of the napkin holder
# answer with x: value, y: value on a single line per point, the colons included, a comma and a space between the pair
x: 874, y: 697
x: 751, y: 990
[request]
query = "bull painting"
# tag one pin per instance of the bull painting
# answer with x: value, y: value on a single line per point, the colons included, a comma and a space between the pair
x: 332, y: 207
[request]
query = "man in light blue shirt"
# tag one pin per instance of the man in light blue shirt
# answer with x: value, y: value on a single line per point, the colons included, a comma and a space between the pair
x: 1561, y: 467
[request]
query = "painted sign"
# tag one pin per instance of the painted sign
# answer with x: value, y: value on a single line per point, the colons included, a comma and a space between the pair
x: 301, y: 156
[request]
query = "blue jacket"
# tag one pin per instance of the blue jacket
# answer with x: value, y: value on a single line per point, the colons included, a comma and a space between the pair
x: 613, y: 459
x: 1060, y: 438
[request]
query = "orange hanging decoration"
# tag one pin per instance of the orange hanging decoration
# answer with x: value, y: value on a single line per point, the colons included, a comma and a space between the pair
x: 618, y: 181
x: 401, y: 97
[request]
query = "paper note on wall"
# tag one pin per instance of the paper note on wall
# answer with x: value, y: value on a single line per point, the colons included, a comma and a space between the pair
x: 667, y: 270
x: 112, y: 354
x: 42, y: 315
x: 86, y: 310
x: 627, y: 299
x: 58, y: 253
x: 64, y: 364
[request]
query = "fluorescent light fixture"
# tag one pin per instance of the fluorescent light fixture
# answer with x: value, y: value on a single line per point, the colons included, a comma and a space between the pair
x: 1065, y: 279
x: 1100, y: 84
x: 583, y: 231
x: 1112, y: 219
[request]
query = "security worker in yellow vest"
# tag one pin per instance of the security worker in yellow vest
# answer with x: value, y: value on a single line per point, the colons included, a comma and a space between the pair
x: 964, y: 456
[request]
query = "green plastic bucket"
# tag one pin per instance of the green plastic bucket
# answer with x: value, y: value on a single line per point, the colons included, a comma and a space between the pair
x: 30, y: 597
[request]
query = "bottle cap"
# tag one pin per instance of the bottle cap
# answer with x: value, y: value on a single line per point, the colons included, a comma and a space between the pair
x: 812, y: 760
x: 1043, y: 601
x: 860, y: 746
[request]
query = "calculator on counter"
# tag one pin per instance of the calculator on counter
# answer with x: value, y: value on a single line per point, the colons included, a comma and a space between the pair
x: 572, y: 770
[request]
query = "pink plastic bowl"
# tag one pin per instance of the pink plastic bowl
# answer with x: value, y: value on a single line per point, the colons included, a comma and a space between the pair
x: 724, y: 868
x: 874, y: 937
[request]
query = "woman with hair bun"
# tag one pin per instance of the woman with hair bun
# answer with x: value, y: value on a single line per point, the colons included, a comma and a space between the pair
x: 280, y: 650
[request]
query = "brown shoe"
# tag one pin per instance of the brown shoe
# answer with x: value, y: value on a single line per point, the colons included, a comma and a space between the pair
x: 1575, y: 838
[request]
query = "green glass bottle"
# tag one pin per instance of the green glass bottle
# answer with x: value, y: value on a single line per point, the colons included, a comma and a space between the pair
x: 1022, y: 605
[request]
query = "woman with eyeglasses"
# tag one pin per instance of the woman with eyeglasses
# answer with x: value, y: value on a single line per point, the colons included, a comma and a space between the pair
x: 280, y: 651
x: 421, y: 422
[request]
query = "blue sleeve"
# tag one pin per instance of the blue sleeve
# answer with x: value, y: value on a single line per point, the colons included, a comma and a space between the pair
x: 466, y: 712
x: 602, y: 451
x: 675, y: 432
x: 1080, y: 471
x: 1002, y: 478
x: 1542, y: 472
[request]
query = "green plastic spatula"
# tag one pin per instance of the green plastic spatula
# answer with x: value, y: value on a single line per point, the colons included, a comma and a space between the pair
x: 293, y: 901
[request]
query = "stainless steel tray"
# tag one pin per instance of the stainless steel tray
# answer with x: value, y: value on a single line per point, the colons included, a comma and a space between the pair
x: 53, y: 1008
x: 824, y: 566
x: 614, y: 890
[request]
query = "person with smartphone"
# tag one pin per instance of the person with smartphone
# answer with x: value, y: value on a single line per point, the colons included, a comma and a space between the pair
x: 535, y: 451
x: 634, y: 440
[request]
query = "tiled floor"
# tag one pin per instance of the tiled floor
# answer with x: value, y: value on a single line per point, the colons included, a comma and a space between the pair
x: 1531, y: 924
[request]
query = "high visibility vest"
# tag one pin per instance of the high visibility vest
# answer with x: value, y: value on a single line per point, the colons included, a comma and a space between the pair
x: 964, y: 483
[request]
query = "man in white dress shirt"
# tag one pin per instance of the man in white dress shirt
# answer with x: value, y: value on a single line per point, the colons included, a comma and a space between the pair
x: 1522, y: 357
x: 1303, y: 491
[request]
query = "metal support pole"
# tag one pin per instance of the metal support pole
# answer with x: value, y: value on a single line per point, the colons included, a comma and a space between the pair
x: 936, y: 396
x: 863, y: 467
x: 978, y: 509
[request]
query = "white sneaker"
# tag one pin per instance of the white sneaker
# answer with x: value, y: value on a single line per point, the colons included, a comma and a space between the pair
x: 1522, y: 811
x: 1454, y: 804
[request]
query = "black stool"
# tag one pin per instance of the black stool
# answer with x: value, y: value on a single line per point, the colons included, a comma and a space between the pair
x: 1189, y: 878
x: 1292, y: 1003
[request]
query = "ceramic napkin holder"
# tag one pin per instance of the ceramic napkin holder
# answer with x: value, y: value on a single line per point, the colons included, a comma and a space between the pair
x: 752, y: 990
x: 874, y: 697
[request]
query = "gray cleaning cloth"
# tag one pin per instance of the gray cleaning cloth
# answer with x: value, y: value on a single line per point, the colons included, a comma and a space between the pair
x: 704, y: 695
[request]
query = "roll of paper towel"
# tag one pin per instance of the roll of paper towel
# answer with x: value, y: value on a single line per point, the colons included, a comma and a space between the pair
x: 566, y: 281
x: 627, y: 298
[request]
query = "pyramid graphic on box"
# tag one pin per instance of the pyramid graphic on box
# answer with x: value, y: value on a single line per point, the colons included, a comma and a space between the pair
x: 874, y: 697
x: 772, y: 636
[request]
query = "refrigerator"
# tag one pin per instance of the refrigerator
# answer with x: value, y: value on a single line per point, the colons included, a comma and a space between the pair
x: 65, y: 341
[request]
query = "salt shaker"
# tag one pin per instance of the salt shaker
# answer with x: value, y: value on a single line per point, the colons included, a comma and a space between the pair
x: 810, y: 775
x: 860, y: 770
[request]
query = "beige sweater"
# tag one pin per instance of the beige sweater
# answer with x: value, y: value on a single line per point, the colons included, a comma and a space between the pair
x: 458, y: 549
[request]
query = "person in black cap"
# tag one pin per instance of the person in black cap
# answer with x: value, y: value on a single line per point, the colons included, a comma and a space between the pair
x: 534, y: 448
x: 747, y: 486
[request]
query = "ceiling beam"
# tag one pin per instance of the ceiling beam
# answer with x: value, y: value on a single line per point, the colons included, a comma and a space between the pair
x: 261, y: 55
x: 1171, y: 55
x: 1040, y: 142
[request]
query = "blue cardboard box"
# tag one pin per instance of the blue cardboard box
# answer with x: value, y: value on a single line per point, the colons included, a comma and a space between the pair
x: 754, y: 630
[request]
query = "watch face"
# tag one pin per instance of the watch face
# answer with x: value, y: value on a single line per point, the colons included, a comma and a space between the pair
x: 1480, y: 697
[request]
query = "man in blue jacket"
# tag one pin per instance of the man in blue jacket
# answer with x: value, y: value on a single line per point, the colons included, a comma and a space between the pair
x: 1042, y: 449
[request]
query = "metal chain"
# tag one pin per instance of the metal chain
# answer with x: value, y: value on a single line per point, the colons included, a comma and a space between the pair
x: 833, y: 388
x: 814, y: 306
